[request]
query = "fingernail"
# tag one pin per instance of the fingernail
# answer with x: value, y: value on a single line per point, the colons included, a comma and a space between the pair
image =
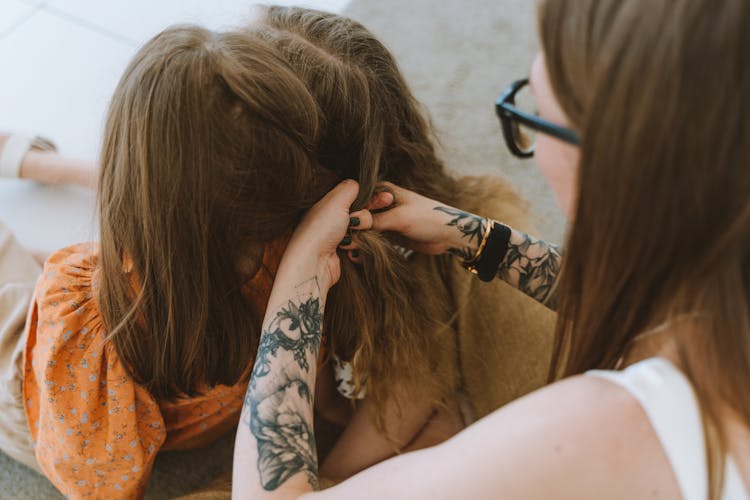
x: 355, y: 254
x: 346, y: 241
x: 354, y: 221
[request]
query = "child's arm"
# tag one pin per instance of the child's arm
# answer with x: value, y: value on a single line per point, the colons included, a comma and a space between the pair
x: 52, y: 168
x: 37, y: 159
x: 362, y: 445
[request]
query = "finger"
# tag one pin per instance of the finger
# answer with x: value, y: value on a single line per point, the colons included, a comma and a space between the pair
x: 348, y: 243
x: 354, y: 256
x: 350, y: 246
x: 344, y: 194
x: 386, y: 196
x: 381, y: 200
x: 360, y: 220
x: 386, y: 221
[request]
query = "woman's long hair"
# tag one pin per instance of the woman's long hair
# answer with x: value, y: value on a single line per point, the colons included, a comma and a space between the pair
x: 660, y: 91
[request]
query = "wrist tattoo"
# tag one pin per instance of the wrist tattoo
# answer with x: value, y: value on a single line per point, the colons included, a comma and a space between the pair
x: 471, y: 228
x: 533, y: 266
x: 279, y: 398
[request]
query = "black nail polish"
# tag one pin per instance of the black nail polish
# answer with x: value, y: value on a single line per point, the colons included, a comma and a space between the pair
x: 355, y: 254
x: 354, y: 221
x: 346, y: 241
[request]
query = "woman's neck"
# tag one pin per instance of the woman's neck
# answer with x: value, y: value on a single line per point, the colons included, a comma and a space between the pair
x: 662, y: 340
x: 663, y: 345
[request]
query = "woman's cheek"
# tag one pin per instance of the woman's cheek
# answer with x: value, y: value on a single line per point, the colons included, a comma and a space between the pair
x: 557, y: 162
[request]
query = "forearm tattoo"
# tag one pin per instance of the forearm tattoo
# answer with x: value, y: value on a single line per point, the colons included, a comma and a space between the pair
x: 472, y: 228
x: 279, y: 399
x: 532, y: 266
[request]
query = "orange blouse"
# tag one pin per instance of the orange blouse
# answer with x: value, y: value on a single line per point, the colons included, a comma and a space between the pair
x: 96, y: 430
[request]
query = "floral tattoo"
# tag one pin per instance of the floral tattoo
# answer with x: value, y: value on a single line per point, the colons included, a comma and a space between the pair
x: 533, y: 266
x: 278, y: 403
x: 471, y: 227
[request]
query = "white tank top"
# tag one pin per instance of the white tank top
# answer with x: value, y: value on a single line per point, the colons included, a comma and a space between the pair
x: 667, y: 397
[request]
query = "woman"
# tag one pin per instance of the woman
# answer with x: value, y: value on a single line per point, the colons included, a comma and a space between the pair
x: 644, y: 141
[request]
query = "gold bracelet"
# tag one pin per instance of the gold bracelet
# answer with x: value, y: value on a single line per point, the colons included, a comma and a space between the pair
x: 468, y: 263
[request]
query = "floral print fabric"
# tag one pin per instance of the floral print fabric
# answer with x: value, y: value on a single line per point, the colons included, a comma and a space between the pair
x: 96, y: 430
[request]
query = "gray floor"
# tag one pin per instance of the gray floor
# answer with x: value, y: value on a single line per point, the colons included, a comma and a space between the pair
x: 458, y: 56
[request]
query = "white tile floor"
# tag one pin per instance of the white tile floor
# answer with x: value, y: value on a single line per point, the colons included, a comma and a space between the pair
x: 59, y: 63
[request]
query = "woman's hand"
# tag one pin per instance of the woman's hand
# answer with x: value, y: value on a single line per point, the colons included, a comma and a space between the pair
x: 425, y: 225
x: 312, y: 248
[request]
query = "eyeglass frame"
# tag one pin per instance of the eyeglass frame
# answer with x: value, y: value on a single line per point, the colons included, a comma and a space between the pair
x: 507, y: 112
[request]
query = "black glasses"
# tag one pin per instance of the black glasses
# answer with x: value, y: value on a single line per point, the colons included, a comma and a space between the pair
x: 520, y: 127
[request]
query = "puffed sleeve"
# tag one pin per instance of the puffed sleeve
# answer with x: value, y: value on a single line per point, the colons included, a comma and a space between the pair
x: 96, y: 431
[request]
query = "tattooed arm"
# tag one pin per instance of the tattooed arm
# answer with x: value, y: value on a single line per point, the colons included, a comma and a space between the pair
x: 278, y: 410
x: 422, y: 224
x: 469, y: 233
x: 530, y: 265
x: 275, y: 455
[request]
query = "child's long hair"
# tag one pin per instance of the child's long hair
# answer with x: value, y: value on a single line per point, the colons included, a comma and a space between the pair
x: 208, y: 153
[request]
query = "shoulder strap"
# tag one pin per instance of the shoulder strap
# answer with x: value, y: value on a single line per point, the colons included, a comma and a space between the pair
x: 734, y: 488
x: 670, y: 404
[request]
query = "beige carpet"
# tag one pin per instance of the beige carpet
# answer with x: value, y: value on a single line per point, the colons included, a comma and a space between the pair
x: 458, y: 56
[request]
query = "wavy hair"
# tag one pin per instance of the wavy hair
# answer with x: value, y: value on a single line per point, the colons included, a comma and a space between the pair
x: 372, y: 129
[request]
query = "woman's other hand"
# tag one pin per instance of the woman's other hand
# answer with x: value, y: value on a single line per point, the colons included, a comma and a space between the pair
x: 312, y: 248
x: 425, y: 225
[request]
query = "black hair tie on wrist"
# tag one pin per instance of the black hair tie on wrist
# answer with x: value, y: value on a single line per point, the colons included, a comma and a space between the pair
x: 494, y: 252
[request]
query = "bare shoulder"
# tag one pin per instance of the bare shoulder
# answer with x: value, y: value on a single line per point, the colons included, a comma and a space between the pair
x: 580, y: 438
